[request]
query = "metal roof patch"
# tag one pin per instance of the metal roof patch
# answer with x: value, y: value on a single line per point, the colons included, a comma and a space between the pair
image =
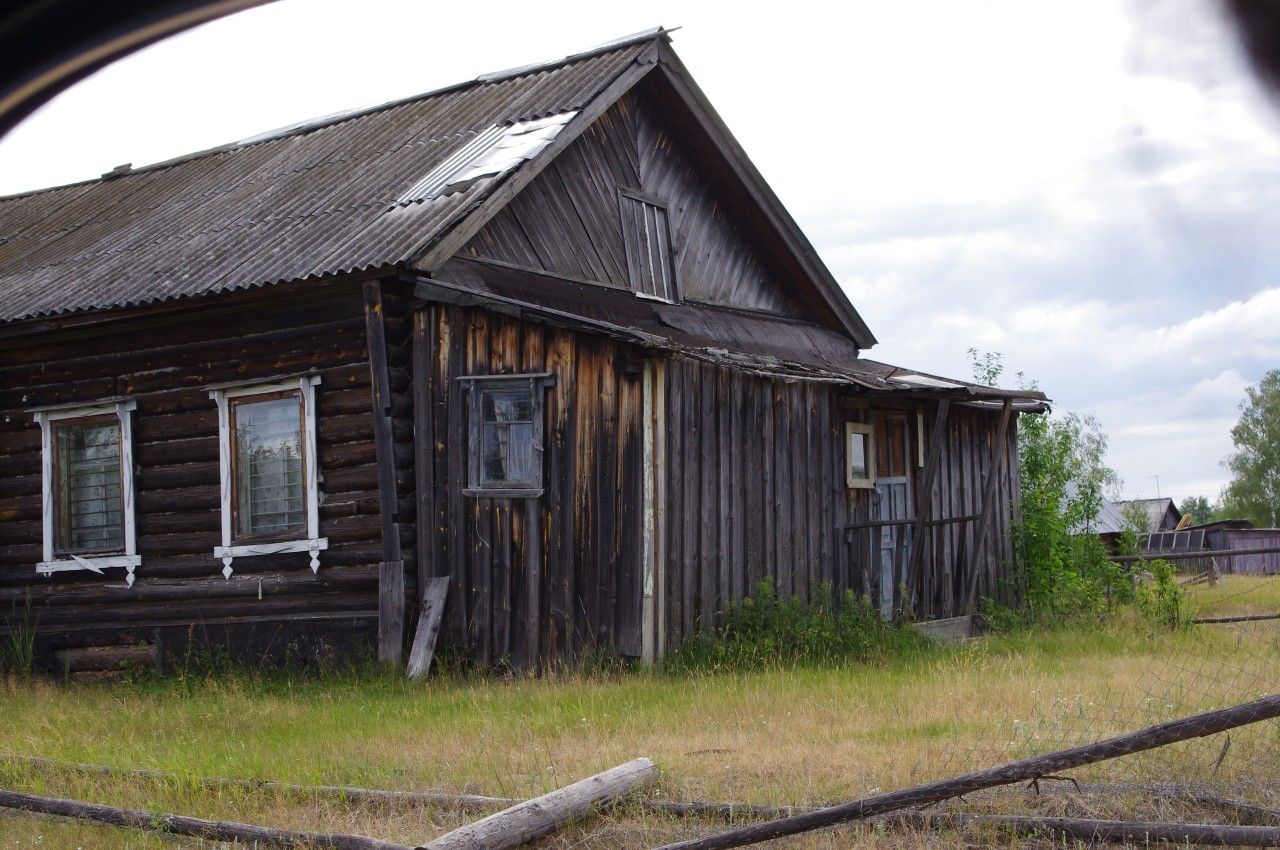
x: 495, y: 150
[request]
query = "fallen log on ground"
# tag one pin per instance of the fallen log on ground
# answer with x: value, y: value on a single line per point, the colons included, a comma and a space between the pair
x: 541, y: 816
x: 1236, y: 618
x: 1139, y: 832
x: 1249, y: 812
x: 352, y: 794
x: 1037, y: 767
x: 193, y: 827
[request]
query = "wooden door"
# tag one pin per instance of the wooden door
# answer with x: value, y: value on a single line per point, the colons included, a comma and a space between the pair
x: 893, y: 500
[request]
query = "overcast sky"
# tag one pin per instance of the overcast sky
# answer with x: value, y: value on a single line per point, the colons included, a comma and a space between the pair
x: 1092, y: 189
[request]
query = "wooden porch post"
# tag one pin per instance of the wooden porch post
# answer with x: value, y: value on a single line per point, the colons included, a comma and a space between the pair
x: 924, y: 494
x: 391, y: 570
x: 988, y: 499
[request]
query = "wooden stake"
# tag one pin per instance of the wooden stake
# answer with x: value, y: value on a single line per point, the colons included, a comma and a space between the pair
x: 1196, y: 726
x: 195, y: 827
x: 534, y: 819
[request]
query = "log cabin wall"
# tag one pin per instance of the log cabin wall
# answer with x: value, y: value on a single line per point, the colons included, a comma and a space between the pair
x: 165, y: 362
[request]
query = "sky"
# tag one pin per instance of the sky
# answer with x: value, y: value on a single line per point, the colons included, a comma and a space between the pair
x: 1091, y: 189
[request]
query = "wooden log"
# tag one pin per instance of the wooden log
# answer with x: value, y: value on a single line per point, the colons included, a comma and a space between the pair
x: 534, y: 819
x: 1144, y: 833
x: 429, y: 618
x: 376, y: 796
x: 195, y: 827
x: 1161, y: 734
x: 1238, y: 618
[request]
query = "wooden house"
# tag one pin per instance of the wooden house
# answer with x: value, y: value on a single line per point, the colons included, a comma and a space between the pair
x: 1159, y: 514
x: 547, y: 333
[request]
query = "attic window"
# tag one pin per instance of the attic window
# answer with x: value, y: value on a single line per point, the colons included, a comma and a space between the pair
x: 650, y: 261
x: 494, y: 150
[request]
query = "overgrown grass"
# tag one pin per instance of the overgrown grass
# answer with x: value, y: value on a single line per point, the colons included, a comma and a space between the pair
x: 766, y: 630
x: 799, y: 734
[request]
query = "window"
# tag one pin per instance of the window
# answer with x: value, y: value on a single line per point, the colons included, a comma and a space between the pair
x: 650, y: 265
x: 268, y: 470
x: 859, y: 456
x: 87, y: 486
x: 505, y: 434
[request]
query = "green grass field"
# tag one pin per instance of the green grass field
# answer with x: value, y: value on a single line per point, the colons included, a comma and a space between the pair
x: 780, y: 736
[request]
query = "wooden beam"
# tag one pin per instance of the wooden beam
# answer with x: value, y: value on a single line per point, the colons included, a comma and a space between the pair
x: 391, y: 570
x: 1089, y: 831
x: 1192, y: 554
x: 1152, y: 737
x: 430, y: 614
x: 195, y: 827
x: 924, y: 492
x: 998, y: 451
x: 533, y: 819
x: 533, y: 542
x: 424, y: 445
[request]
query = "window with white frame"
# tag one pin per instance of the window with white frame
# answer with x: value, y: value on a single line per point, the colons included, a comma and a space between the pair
x: 859, y: 456
x: 505, y: 434
x: 87, y: 488
x: 268, y: 470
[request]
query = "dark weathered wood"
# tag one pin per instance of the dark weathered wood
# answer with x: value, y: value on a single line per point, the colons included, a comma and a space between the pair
x: 933, y: 459
x: 985, y: 513
x: 1237, y: 618
x: 195, y: 827
x: 1159, y: 735
x: 430, y: 614
x: 533, y: 819
x: 530, y: 649
x: 1190, y: 555
x: 424, y: 446
x: 391, y: 602
x: 1143, y: 833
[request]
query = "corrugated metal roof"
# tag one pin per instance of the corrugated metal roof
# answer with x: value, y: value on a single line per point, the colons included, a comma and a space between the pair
x: 313, y: 199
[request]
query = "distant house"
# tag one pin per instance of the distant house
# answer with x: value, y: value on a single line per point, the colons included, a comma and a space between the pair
x: 547, y: 333
x: 1161, y: 514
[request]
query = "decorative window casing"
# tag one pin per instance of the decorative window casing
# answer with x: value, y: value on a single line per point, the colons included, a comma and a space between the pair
x: 859, y: 456
x: 268, y: 470
x: 650, y: 259
x: 87, y: 488
x: 505, y: 434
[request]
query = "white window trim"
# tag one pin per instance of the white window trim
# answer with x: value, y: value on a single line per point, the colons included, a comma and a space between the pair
x: 129, y: 559
x: 852, y: 481
x: 313, y: 543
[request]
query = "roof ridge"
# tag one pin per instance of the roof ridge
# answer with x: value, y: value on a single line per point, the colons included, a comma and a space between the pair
x: 321, y: 122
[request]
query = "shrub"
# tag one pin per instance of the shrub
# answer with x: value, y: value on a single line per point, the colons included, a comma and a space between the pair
x: 767, y: 630
x: 1161, y: 599
x: 18, y: 651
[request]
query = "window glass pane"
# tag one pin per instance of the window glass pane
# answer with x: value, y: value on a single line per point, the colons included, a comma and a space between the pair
x: 858, y: 455
x: 90, y: 510
x: 270, y: 497
x: 508, y: 406
x: 506, y: 438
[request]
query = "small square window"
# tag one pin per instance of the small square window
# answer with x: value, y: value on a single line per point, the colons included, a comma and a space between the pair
x: 859, y: 456
x: 506, y: 434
